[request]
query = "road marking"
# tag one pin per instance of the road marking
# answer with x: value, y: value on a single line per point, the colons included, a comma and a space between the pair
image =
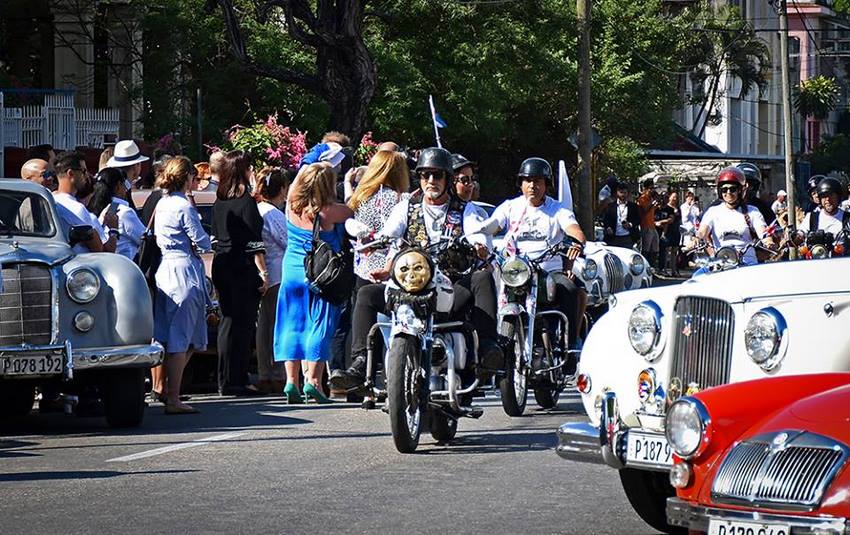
x: 175, y: 447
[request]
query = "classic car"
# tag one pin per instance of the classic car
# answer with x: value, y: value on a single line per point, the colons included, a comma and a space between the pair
x: 775, y: 465
x: 656, y: 345
x: 67, y: 320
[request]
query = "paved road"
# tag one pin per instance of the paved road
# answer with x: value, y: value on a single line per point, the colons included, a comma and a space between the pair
x: 260, y: 466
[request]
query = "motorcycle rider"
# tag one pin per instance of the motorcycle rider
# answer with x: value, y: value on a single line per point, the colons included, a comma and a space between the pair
x: 733, y: 222
x: 465, y: 180
x: 534, y: 222
x: 829, y: 217
x: 753, y: 176
x: 813, y: 202
x: 430, y: 215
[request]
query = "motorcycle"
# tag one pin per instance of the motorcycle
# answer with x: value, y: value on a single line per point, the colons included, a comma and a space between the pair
x: 817, y: 244
x: 726, y: 257
x: 427, y: 352
x: 538, y: 355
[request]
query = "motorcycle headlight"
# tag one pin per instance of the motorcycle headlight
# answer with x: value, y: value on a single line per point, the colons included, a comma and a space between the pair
x: 589, y: 270
x: 83, y: 285
x: 765, y: 338
x: 727, y: 255
x: 515, y: 272
x: 688, y: 427
x: 637, y: 265
x: 412, y: 271
x: 820, y: 251
x: 645, y: 329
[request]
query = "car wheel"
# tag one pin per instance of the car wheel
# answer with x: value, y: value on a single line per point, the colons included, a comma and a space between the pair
x: 124, y: 397
x: 16, y: 399
x: 648, y: 493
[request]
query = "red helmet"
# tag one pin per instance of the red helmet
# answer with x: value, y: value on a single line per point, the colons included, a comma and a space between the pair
x: 731, y: 175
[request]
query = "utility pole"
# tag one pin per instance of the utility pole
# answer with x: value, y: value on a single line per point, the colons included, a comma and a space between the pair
x: 790, y: 183
x: 584, y: 206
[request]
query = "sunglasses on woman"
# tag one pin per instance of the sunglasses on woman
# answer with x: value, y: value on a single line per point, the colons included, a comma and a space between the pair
x: 466, y: 180
x: 730, y: 189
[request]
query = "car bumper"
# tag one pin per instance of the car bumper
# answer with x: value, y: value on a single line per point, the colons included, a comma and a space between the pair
x: 696, y: 517
x: 90, y: 358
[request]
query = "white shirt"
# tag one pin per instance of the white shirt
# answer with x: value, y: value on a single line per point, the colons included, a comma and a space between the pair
x: 690, y: 213
x: 130, y: 229
x: 274, y: 239
x: 826, y: 222
x: 778, y: 206
x: 435, y: 222
x: 82, y: 213
x: 533, y: 228
x: 622, y: 215
x: 729, y: 228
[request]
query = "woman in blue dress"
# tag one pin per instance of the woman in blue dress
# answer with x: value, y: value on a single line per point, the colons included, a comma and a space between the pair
x: 305, y: 322
x: 180, y: 305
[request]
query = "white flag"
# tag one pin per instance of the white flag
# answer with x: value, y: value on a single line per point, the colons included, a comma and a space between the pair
x: 565, y: 196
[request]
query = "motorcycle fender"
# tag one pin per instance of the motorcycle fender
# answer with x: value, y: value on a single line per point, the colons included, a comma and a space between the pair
x: 445, y: 293
x: 511, y: 309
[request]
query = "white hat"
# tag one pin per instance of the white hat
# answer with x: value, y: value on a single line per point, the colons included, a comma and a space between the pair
x: 781, y: 192
x: 333, y: 154
x: 126, y: 154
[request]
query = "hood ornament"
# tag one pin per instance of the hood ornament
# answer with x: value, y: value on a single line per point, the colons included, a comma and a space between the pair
x: 15, y: 244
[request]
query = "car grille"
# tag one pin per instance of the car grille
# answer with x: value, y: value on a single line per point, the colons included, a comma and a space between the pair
x: 702, y: 341
x: 614, y: 273
x: 792, y: 475
x: 26, y: 305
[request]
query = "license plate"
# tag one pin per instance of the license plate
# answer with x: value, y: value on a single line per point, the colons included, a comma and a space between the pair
x: 31, y: 365
x: 647, y: 448
x: 727, y: 527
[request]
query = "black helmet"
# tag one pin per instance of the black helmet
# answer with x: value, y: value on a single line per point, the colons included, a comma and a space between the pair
x: 830, y: 185
x: 812, y: 183
x: 535, y: 167
x: 751, y: 172
x: 435, y: 158
x: 459, y: 161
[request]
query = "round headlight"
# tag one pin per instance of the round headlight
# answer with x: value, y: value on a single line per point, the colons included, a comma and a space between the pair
x: 687, y: 427
x: 589, y: 270
x: 412, y: 271
x: 727, y: 255
x: 819, y: 251
x: 515, y: 272
x: 637, y: 265
x: 763, y: 337
x: 83, y: 321
x: 645, y: 328
x: 83, y: 285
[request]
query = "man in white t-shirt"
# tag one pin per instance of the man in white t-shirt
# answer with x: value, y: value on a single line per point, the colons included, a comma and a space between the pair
x: 828, y: 216
x: 732, y: 222
x: 535, y: 222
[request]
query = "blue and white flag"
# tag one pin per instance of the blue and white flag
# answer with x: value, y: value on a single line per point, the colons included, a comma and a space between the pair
x: 437, y: 120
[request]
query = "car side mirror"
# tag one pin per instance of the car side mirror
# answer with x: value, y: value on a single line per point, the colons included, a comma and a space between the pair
x: 79, y: 234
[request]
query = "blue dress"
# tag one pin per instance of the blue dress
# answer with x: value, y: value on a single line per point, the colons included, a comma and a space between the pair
x: 305, y: 323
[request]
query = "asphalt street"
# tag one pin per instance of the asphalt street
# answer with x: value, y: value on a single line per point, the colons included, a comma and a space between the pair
x: 258, y: 465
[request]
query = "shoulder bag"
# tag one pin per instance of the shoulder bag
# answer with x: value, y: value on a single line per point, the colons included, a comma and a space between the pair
x: 330, y: 274
x: 149, y: 256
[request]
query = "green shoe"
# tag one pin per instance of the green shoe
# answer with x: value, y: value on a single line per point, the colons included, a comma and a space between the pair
x: 293, y: 396
x: 311, y: 391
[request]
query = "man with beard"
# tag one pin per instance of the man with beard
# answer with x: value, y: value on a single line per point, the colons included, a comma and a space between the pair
x: 431, y: 215
x: 828, y: 217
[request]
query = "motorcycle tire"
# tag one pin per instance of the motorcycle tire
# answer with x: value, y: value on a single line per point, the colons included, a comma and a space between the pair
x: 546, y: 397
x: 403, y: 393
x: 514, y: 386
x: 443, y: 428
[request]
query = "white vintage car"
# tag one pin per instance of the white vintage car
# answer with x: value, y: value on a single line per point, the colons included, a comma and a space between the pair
x: 606, y: 270
x: 656, y: 345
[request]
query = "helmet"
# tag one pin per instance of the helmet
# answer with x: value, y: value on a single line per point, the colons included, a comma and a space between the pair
x: 751, y: 172
x: 535, y: 167
x: 812, y: 183
x: 731, y: 175
x: 435, y: 158
x: 459, y: 161
x: 830, y: 185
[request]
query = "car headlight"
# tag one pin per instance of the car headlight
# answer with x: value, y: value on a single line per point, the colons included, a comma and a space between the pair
x: 412, y: 270
x: 765, y: 338
x: 688, y: 427
x: 589, y: 270
x: 637, y: 265
x: 645, y: 329
x: 83, y: 285
x: 515, y: 272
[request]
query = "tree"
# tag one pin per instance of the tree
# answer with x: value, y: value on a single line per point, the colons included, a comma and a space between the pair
x: 816, y: 98
x: 344, y: 74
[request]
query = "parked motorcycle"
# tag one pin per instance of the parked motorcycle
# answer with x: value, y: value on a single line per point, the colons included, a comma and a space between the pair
x: 540, y: 337
x: 427, y: 353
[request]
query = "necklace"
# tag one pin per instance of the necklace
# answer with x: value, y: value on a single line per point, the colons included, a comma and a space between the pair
x: 437, y: 215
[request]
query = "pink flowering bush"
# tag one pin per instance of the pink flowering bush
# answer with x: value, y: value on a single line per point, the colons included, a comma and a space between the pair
x: 367, y: 148
x: 268, y: 143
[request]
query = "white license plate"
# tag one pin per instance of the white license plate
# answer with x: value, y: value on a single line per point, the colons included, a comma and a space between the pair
x: 727, y: 527
x: 648, y: 448
x: 31, y: 365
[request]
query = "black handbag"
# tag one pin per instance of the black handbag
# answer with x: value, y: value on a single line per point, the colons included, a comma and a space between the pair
x: 330, y: 274
x: 149, y: 256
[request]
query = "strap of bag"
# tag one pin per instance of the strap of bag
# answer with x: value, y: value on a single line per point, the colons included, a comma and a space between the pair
x: 153, y: 216
x: 814, y: 217
x: 749, y: 222
x: 317, y: 221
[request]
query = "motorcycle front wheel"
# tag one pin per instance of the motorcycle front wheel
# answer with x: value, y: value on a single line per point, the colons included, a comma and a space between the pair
x: 443, y: 428
x: 546, y: 397
x: 403, y: 392
x: 514, y: 386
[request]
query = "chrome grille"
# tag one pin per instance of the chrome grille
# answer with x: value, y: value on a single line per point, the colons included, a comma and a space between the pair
x: 25, y: 305
x: 793, y: 474
x: 702, y: 341
x: 614, y: 272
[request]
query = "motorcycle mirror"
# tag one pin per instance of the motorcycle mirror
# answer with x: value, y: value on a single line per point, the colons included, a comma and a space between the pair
x: 356, y: 229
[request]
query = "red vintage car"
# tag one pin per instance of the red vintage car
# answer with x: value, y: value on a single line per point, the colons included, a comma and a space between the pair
x: 765, y: 457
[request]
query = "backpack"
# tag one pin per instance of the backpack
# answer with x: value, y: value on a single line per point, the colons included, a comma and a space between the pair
x: 149, y: 256
x: 330, y: 274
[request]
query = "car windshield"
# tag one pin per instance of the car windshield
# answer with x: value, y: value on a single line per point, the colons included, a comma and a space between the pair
x: 25, y: 214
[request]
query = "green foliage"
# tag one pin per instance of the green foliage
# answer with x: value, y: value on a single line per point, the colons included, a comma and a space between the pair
x: 816, y: 97
x: 832, y: 154
x: 623, y: 157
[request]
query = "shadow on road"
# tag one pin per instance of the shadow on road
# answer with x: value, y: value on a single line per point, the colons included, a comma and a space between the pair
x: 72, y: 475
x: 496, y: 442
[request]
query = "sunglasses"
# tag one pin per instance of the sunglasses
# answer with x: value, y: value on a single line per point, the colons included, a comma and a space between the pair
x: 730, y: 189
x: 48, y: 175
x: 467, y: 180
x: 426, y: 174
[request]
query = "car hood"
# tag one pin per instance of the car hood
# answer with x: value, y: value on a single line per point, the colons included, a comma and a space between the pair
x: 831, y: 407
x: 48, y: 252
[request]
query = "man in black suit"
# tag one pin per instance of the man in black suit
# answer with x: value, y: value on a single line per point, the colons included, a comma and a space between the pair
x: 622, y: 220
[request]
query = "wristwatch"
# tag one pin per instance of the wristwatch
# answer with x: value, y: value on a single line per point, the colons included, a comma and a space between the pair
x: 114, y: 232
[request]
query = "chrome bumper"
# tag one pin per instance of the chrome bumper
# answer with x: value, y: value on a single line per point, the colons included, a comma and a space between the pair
x: 696, y: 517
x: 581, y: 441
x: 90, y: 358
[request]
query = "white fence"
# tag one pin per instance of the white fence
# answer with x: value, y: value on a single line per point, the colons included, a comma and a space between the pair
x: 57, y: 122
